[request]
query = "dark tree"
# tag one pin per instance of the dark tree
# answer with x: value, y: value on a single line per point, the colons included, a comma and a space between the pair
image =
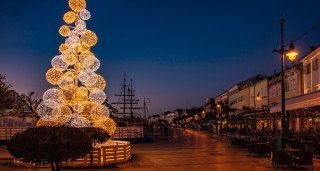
x: 6, y: 95
x: 50, y: 145
x: 97, y: 135
x: 31, y: 102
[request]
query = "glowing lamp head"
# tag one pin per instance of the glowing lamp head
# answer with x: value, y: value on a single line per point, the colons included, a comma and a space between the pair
x: 258, y: 97
x: 292, y: 53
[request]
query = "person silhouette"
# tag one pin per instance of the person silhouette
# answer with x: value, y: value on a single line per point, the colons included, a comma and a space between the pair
x: 165, y: 132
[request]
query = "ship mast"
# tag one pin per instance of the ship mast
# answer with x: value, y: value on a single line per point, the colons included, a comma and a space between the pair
x: 127, y: 99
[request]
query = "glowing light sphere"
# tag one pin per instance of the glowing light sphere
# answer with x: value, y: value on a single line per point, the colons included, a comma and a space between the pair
x: 64, y: 120
x: 77, y: 5
x: 64, y: 31
x: 91, y: 79
x: 83, y: 48
x: 52, y: 103
x: 44, y: 121
x: 52, y: 97
x: 87, y: 78
x: 53, y: 76
x: 70, y: 59
x: 87, y: 61
x: 107, y: 124
x: 69, y: 76
x: 82, y: 76
x: 85, y: 55
x: 64, y: 110
x: 57, y: 62
x: 70, y: 17
x: 99, y: 110
x: 79, y: 122
x: 100, y: 84
x: 52, y: 94
x: 73, y: 41
x: 69, y: 93
x: 44, y: 110
x: 78, y: 107
x: 66, y: 82
x: 97, y: 96
x: 80, y: 27
x: 65, y: 48
x: 85, y: 14
x: 95, y: 65
x: 82, y: 94
x: 86, y: 108
x: 89, y: 38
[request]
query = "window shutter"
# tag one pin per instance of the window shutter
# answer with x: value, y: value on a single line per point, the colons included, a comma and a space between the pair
x: 315, y: 64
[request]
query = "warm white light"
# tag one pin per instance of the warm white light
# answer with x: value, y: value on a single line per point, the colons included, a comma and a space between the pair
x: 78, y: 99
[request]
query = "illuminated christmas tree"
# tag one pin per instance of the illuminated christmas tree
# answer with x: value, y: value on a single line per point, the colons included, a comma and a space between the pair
x: 77, y: 99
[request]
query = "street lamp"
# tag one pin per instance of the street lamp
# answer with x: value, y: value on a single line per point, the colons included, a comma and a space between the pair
x: 219, y: 113
x: 291, y: 54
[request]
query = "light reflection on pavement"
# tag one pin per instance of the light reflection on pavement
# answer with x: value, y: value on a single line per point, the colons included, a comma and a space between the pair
x: 189, y: 151
x: 195, y: 151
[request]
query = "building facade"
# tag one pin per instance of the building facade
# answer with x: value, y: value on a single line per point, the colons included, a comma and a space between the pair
x: 259, y: 95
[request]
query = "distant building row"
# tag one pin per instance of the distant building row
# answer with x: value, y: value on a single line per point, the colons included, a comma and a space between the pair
x: 263, y: 94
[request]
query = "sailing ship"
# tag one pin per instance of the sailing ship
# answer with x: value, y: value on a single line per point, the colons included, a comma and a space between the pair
x: 128, y: 103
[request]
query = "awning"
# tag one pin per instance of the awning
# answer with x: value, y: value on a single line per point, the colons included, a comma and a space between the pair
x: 299, y: 102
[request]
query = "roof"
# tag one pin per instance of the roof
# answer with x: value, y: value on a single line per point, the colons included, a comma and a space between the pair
x: 221, y: 94
x: 277, y: 75
x: 309, y: 53
x: 258, y: 76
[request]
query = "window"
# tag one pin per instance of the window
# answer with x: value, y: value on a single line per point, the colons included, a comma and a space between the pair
x: 286, y: 86
x: 315, y: 64
x: 307, y: 69
x: 293, y: 84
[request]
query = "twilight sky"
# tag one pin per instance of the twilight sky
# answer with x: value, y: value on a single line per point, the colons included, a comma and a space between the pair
x: 178, y: 52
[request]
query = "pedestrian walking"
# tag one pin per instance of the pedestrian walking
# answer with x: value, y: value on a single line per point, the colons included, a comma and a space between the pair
x: 165, y: 132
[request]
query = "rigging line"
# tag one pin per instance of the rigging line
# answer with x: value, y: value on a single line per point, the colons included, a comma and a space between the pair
x: 305, y: 33
x: 278, y: 40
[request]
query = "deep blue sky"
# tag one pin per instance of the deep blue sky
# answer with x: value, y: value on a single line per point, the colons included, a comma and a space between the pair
x: 177, y: 51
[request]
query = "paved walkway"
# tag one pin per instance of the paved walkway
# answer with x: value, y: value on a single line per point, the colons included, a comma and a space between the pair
x: 188, y: 151
x: 195, y: 151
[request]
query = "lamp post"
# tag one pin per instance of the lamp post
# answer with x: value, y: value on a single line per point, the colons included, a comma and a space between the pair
x: 291, y: 54
x: 219, y: 112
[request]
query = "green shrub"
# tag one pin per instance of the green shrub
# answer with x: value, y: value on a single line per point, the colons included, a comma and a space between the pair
x: 50, y: 145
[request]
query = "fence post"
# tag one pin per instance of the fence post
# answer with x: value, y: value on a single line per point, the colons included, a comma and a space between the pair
x: 115, y: 152
x: 6, y: 138
x: 125, y: 152
x: 99, y: 157
x: 104, y: 155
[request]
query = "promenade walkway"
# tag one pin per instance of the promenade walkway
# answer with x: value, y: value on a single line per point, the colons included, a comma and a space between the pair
x: 189, y: 151
x: 195, y: 151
